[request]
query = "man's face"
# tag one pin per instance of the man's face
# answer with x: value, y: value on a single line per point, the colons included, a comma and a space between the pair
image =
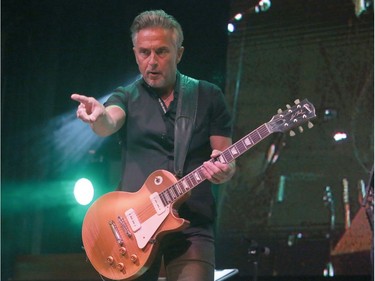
x: 157, y: 57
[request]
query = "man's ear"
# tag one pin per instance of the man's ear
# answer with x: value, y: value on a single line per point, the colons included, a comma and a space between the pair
x: 180, y: 52
x: 135, y: 55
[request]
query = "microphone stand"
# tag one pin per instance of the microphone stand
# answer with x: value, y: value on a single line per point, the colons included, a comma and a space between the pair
x: 255, y: 251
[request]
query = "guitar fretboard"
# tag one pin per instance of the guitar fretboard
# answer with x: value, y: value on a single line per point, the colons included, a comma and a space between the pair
x: 191, y: 180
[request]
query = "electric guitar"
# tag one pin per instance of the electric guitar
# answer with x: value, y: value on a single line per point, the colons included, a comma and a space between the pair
x: 121, y: 230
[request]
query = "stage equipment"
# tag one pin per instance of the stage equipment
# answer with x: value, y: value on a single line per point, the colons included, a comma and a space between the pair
x: 255, y: 251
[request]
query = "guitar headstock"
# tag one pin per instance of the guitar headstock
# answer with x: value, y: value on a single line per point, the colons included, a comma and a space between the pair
x: 293, y: 117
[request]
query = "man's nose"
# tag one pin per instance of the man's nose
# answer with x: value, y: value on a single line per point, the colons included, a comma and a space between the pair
x: 153, y: 59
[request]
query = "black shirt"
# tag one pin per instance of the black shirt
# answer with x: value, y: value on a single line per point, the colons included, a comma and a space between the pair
x: 147, y: 139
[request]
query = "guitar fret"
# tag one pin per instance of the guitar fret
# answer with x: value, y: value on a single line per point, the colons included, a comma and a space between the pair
x: 234, y: 151
x: 167, y: 196
x: 255, y: 136
x: 241, y: 146
x: 197, y: 176
x: 185, y: 185
x: 247, y: 141
x: 226, y: 157
x: 193, y: 180
x: 162, y: 197
x: 190, y: 182
x: 175, y: 191
x: 263, y: 131
x: 199, y: 171
x: 179, y: 189
x: 170, y: 192
x: 173, y: 188
x: 170, y: 195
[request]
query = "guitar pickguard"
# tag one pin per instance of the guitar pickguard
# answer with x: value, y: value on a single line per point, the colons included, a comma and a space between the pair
x: 145, y: 230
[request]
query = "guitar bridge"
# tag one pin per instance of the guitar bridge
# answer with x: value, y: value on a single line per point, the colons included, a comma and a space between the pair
x: 116, y: 233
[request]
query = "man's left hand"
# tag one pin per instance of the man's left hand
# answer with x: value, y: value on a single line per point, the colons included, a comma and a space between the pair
x: 217, y: 172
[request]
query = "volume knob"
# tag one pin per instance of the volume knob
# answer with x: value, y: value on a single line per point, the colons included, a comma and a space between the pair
x: 120, y: 266
x: 110, y: 259
x: 134, y: 258
x: 122, y: 251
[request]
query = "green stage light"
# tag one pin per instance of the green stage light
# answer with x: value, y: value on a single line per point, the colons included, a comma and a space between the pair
x: 83, y: 191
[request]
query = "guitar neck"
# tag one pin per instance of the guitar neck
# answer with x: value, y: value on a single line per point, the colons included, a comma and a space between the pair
x: 191, y: 180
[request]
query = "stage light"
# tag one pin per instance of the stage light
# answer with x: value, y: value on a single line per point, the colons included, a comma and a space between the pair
x: 340, y: 136
x: 263, y: 6
x: 330, y: 113
x: 361, y: 6
x: 238, y: 17
x: 83, y: 191
x: 329, y: 270
x: 231, y: 27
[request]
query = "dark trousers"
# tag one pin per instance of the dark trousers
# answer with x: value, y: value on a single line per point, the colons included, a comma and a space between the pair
x: 187, y: 256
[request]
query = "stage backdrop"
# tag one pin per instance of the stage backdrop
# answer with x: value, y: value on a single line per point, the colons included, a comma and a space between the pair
x: 322, y: 51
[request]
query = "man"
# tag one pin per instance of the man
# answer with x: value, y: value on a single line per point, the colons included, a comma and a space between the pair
x: 144, y: 115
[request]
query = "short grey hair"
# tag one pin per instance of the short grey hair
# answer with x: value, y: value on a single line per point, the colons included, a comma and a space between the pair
x: 157, y: 18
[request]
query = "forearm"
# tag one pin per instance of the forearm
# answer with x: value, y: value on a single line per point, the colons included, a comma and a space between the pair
x: 109, y: 122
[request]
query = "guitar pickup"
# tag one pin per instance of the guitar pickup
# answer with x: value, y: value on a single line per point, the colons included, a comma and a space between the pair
x: 157, y: 203
x: 133, y: 219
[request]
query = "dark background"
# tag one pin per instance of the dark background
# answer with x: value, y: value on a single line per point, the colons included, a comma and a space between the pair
x: 51, y: 49
x: 315, y: 49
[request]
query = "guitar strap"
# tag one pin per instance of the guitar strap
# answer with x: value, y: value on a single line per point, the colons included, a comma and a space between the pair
x: 185, y: 119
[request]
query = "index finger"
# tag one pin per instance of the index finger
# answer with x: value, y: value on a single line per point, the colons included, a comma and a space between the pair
x: 80, y: 98
x: 215, y: 153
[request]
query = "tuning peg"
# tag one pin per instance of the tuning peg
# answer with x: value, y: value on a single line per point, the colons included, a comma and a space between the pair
x: 310, y: 125
x: 300, y: 129
x: 279, y: 111
x: 292, y: 133
x: 288, y: 106
x: 297, y: 101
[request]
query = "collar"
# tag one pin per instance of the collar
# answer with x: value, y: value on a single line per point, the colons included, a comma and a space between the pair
x: 152, y: 91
